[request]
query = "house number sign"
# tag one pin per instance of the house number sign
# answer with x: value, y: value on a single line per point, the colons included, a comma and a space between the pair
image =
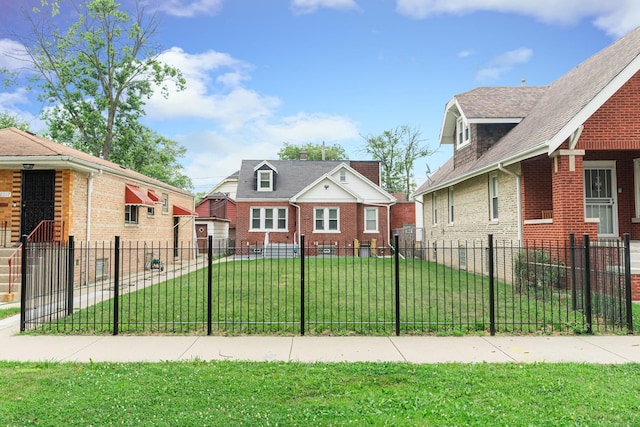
x: 5, y: 193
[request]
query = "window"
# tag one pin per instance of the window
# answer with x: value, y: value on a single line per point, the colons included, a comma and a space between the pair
x: 265, y: 180
x: 326, y: 220
x: 343, y: 175
x: 493, y: 196
x: 434, y: 209
x: 151, y: 211
x: 371, y: 220
x: 268, y: 219
x: 462, y: 132
x: 101, y: 267
x: 165, y: 205
x: 130, y: 214
x: 462, y: 257
x: 450, y: 205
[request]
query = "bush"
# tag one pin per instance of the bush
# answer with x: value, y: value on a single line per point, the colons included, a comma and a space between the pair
x: 538, y: 269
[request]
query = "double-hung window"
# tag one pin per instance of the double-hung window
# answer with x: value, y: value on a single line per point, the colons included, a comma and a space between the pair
x: 493, y: 197
x: 265, y: 180
x: 371, y: 220
x: 326, y: 220
x: 462, y: 132
x: 450, y: 205
x: 131, y: 214
x: 268, y: 219
x: 434, y: 208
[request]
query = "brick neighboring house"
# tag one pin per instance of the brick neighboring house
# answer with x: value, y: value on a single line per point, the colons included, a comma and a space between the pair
x: 84, y: 196
x: 217, y: 213
x: 538, y: 163
x: 330, y: 202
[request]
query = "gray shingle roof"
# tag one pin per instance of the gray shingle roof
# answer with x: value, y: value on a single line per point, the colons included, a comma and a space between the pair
x: 553, y: 116
x: 293, y: 176
x: 499, y: 102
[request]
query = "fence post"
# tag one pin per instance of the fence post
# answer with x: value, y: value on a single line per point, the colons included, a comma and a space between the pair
x: 70, y: 274
x: 302, y: 249
x: 209, y: 283
x: 627, y: 280
x: 116, y: 286
x: 492, y: 303
x: 572, y: 260
x: 587, y: 283
x: 23, y: 284
x: 396, y: 258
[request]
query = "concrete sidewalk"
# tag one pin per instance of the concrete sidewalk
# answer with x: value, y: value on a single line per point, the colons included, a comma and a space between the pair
x: 471, y: 349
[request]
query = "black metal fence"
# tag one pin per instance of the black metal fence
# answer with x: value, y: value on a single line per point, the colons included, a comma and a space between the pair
x: 447, y: 288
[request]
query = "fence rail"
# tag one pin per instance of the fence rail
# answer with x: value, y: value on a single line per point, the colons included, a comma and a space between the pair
x: 447, y: 288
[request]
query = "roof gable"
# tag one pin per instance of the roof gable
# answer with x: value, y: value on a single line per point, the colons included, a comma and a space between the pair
x: 559, y: 112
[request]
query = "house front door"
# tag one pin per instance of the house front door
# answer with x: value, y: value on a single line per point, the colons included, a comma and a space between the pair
x: 38, y: 198
x: 600, y: 196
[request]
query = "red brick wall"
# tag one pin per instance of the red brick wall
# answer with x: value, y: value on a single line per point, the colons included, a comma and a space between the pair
x: 403, y: 213
x: 536, y: 187
x: 368, y: 168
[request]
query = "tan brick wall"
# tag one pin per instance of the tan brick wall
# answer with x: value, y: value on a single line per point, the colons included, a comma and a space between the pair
x: 471, y: 211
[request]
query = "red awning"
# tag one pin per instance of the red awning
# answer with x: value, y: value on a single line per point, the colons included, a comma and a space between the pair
x: 155, y: 197
x: 180, y: 211
x: 135, y: 196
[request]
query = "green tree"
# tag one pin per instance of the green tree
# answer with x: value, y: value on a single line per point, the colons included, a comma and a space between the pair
x: 8, y: 120
x: 314, y: 152
x: 97, y: 76
x: 397, y: 150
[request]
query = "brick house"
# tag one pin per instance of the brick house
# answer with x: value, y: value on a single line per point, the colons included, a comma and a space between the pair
x: 76, y: 194
x: 330, y: 202
x: 538, y: 163
x: 217, y: 211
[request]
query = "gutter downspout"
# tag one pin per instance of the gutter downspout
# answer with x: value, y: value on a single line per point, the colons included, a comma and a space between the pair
x: 88, y: 229
x: 388, y: 217
x: 518, y: 198
x: 296, y: 238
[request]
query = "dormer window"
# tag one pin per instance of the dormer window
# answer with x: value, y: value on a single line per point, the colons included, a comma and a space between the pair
x: 265, y: 180
x: 462, y: 132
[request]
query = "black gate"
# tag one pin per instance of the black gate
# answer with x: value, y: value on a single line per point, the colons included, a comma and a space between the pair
x: 38, y: 198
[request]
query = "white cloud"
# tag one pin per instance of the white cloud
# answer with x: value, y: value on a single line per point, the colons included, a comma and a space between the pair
x: 504, y: 63
x: 465, y: 53
x: 12, y: 55
x: 614, y: 17
x: 188, y: 8
x: 302, y: 7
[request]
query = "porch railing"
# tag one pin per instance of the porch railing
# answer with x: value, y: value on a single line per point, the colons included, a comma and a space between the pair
x: 46, y: 231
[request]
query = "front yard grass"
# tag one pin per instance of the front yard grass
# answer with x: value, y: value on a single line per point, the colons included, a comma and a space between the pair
x: 199, y: 393
x: 342, y: 296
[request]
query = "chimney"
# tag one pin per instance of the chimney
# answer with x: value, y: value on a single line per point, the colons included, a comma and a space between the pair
x: 303, y: 155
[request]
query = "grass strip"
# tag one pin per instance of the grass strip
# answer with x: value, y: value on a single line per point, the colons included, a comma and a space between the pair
x: 199, y: 393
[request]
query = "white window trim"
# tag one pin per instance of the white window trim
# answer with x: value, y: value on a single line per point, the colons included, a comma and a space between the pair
x: 259, y: 177
x: 434, y: 209
x: 263, y: 218
x: 450, y: 211
x: 131, y: 208
x: 325, y: 220
x: 461, y: 124
x: 376, y: 219
x: 493, y: 194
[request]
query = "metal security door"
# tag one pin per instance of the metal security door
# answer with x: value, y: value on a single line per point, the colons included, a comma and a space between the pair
x: 38, y: 199
x: 600, y: 198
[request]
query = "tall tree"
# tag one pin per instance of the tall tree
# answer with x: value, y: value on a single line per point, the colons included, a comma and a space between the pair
x: 97, y: 76
x: 314, y: 152
x: 8, y: 120
x: 397, y: 150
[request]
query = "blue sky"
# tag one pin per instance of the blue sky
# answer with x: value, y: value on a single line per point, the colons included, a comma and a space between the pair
x: 261, y: 73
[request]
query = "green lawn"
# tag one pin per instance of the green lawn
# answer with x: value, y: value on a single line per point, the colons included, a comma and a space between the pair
x: 268, y: 394
x: 8, y: 312
x: 342, y: 296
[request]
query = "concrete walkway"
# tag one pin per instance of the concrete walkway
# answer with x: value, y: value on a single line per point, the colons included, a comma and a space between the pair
x: 499, y: 349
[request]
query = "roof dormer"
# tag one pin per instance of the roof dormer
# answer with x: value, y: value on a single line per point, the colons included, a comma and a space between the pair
x: 264, y: 175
